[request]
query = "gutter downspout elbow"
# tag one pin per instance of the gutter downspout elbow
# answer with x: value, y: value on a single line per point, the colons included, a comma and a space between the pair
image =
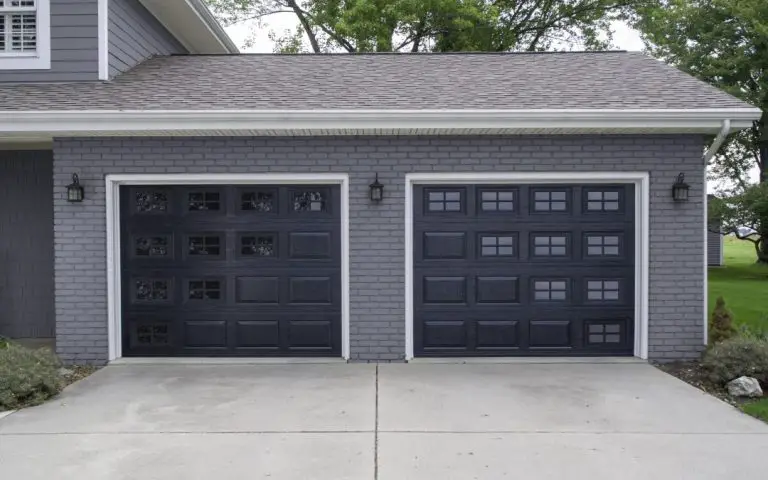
x: 719, y: 139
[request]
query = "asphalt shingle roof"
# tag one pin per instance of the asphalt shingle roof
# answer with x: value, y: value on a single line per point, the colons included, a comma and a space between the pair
x: 607, y: 80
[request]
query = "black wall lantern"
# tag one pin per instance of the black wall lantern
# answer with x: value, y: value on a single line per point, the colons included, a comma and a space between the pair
x: 75, y: 191
x: 680, y: 189
x: 377, y: 190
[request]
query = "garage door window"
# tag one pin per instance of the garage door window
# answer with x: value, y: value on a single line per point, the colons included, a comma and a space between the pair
x: 550, y: 201
x: 444, y: 201
x: 204, y: 245
x: 549, y: 290
x: 502, y: 245
x: 601, y: 333
x: 204, y: 289
x: 258, y: 245
x: 151, y: 201
x: 602, y: 245
x: 309, y: 201
x: 603, y: 290
x: 151, y: 290
x: 550, y: 245
x: 258, y: 201
x: 152, y: 245
x: 603, y: 201
x: 203, y: 201
x: 497, y: 200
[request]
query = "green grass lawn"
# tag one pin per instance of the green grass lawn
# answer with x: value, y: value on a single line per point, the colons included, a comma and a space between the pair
x: 742, y: 283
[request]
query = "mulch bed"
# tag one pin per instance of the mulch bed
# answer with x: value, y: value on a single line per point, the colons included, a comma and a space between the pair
x: 694, y: 374
x: 74, y: 373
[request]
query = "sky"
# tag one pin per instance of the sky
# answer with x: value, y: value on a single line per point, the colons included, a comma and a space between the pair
x: 625, y: 37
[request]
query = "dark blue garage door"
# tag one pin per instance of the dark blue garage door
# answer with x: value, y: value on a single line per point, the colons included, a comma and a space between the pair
x: 523, y: 270
x: 231, y: 270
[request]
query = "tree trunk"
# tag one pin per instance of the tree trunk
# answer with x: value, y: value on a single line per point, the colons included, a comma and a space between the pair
x: 762, y: 247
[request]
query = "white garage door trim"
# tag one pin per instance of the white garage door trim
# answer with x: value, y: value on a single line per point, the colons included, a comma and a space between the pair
x: 113, y: 183
x: 642, y: 204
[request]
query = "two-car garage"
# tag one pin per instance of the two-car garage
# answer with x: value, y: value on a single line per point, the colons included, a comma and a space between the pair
x: 497, y: 269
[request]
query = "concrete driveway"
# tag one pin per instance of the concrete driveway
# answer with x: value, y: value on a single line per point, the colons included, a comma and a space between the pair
x: 391, y: 422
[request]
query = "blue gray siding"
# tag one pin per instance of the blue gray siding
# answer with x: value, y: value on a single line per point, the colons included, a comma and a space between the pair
x: 74, y: 45
x: 377, y: 273
x: 135, y: 35
x: 26, y: 244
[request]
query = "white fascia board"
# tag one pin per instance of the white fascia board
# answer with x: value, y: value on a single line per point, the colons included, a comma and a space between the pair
x: 101, y: 122
x: 192, y: 24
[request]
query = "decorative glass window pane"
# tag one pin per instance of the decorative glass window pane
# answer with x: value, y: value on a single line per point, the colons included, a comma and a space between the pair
x: 204, y: 245
x: 604, y: 333
x: 152, y: 246
x: 152, y: 335
x: 556, y: 290
x: 203, y: 201
x: 257, y: 201
x: 204, y: 290
x: 149, y: 290
x: 497, y: 246
x: 309, y: 201
x: 151, y: 202
x: 550, y: 245
x: 603, y: 201
x: 497, y: 201
x: 447, y: 201
x: 554, y: 201
x: 602, y: 245
x: 603, y: 290
x: 258, y: 245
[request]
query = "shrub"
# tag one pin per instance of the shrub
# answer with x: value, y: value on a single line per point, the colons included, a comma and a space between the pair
x: 738, y: 356
x: 4, y: 342
x: 27, y: 377
x: 721, y: 323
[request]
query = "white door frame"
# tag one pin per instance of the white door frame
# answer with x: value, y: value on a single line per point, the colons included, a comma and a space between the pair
x: 642, y: 206
x: 114, y: 182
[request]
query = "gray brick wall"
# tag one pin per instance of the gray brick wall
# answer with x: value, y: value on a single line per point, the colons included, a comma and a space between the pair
x: 376, y: 231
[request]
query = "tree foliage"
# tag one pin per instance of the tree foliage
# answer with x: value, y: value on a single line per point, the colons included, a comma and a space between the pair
x: 746, y: 209
x: 721, y: 323
x: 725, y: 43
x: 432, y: 25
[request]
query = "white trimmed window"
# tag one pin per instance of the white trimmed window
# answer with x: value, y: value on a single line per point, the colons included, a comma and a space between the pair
x: 25, y: 34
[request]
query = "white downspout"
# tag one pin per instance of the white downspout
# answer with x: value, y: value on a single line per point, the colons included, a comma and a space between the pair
x: 711, y: 152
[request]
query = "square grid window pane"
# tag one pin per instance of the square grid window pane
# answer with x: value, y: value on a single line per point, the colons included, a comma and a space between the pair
x: 554, y: 201
x: 602, y: 245
x: 445, y: 201
x: 604, y: 333
x: 603, y: 201
x: 550, y: 290
x: 550, y: 245
x: 603, y: 290
x: 23, y: 32
x: 497, y: 201
x: 203, y: 201
x: 204, y: 245
x: 497, y: 246
x: 204, y: 290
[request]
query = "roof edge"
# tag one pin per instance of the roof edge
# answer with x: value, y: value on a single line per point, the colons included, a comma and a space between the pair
x: 193, y: 24
x: 375, y: 122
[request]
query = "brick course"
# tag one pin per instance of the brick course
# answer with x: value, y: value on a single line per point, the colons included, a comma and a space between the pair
x: 377, y: 231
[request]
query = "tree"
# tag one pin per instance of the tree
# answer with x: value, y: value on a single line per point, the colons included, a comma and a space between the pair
x: 432, y: 25
x: 725, y: 43
x: 744, y: 213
